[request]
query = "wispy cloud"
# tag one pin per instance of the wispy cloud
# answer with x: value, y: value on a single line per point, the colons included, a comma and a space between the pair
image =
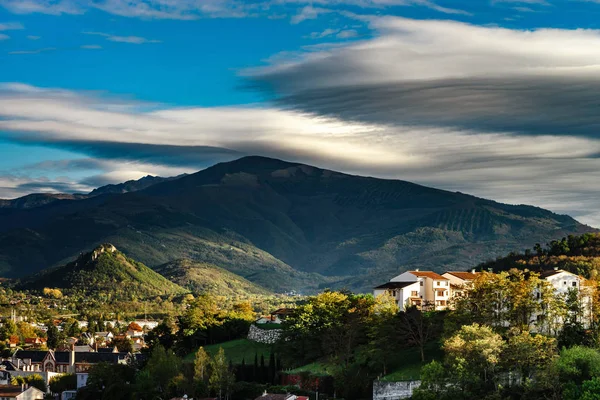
x: 91, y: 46
x: 10, y: 26
x: 4, y: 37
x: 561, y: 173
x: 32, y: 37
x: 35, y: 51
x: 451, y: 74
x: 123, y: 39
x: 194, y: 9
x: 319, y: 35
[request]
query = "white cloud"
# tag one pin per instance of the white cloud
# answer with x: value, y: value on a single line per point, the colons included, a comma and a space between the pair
x: 10, y: 26
x: 347, y: 34
x: 562, y: 173
x: 35, y: 51
x: 194, y: 9
x: 319, y: 35
x: 123, y: 39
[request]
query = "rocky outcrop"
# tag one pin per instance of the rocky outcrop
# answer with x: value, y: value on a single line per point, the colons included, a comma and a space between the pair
x: 267, y: 336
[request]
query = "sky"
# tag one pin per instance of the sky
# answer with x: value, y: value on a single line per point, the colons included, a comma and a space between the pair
x: 496, y: 98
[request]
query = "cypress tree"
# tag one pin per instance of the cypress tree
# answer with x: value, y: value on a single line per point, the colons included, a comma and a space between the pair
x: 263, y: 374
x: 255, y: 369
x: 242, y: 374
x: 271, y: 376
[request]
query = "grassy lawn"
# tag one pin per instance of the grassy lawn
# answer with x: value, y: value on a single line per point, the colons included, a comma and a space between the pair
x: 315, y: 369
x: 408, y: 363
x: 238, y: 350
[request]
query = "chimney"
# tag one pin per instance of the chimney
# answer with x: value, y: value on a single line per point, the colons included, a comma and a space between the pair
x: 556, y: 268
x: 473, y: 271
x: 490, y: 270
x: 417, y: 269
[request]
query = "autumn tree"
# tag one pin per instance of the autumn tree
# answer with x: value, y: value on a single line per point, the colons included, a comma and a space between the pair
x: 221, y: 379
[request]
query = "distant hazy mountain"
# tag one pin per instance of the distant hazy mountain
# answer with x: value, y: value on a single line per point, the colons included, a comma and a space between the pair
x: 42, y: 199
x: 106, y: 271
x: 39, y: 199
x: 282, y: 225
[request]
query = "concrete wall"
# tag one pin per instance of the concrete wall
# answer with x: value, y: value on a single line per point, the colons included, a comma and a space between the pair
x: 394, y: 390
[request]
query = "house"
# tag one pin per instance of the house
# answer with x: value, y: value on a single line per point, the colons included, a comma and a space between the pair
x: 20, y: 393
x: 35, y: 342
x: 424, y: 289
x: 14, y: 341
x: 281, y: 314
x: 103, y: 336
x: 561, y: 280
x: 63, y: 361
x: 269, y: 396
x: 82, y: 378
x: 460, y: 282
x: 134, y: 330
x: 407, y: 294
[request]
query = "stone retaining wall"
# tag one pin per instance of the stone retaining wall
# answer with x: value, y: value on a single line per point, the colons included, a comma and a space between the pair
x: 394, y: 390
x: 267, y: 336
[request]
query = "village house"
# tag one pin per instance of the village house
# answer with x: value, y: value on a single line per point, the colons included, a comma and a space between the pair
x: 10, y: 392
x: 63, y: 361
x: 35, y: 342
x: 460, y: 282
x: 423, y: 289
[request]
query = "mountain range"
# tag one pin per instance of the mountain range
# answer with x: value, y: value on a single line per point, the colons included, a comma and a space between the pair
x: 278, y: 224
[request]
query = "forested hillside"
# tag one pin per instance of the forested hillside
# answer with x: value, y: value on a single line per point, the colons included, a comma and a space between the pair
x: 281, y: 225
x: 105, y: 273
x: 579, y: 254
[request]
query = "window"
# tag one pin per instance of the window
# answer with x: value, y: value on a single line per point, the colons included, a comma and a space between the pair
x: 414, y: 293
x: 393, y: 293
x: 446, y: 283
x: 574, y: 284
x: 439, y: 283
x: 539, y: 295
x: 440, y: 293
x: 421, y: 283
x: 565, y: 282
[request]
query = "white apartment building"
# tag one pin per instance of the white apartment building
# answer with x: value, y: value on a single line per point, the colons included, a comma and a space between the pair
x: 424, y: 289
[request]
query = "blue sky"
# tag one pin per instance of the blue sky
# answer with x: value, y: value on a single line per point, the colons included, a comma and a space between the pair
x: 492, y: 97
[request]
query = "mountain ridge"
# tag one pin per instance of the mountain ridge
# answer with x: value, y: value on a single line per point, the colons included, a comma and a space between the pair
x: 283, y: 225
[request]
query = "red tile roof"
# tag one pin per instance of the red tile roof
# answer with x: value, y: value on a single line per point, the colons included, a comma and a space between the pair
x: 428, y: 274
x: 465, y: 276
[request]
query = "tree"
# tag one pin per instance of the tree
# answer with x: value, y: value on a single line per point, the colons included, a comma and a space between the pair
x: 162, y: 368
x: 416, y: 328
x: 221, y: 378
x: 528, y: 353
x: 201, y: 365
x: 472, y: 354
x: 60, y: 383
x: 124, y: 344
x: 54, y: 336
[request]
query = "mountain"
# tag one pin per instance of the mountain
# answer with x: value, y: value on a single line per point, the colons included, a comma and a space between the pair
x: 38, y: 199
x: 282, y: 225
x: 201, y: 277
x: 105, y: 271
x: 42, y: 199
x: 133, y: 185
